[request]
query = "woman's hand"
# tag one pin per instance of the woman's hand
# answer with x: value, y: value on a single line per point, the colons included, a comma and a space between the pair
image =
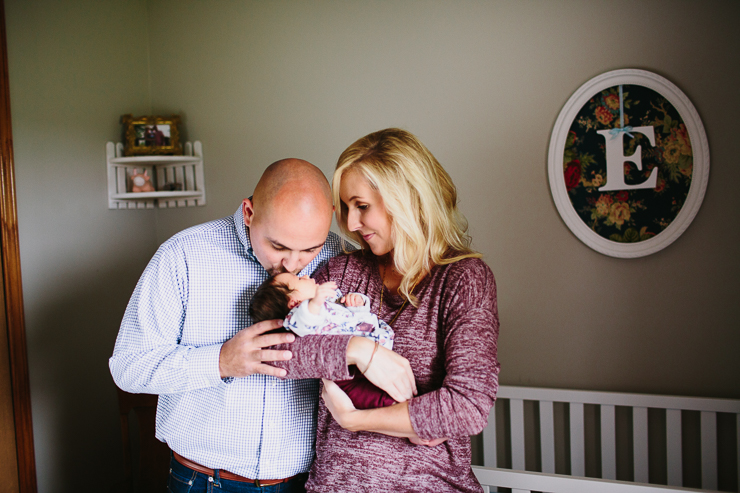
x: 387, y: 370
x: 338, y: 403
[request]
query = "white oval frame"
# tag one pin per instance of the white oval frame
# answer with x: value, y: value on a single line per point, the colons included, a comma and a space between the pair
x: 699, y: 178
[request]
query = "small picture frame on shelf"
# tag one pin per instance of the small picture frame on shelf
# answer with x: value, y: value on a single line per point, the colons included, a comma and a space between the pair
x: 151, y: 135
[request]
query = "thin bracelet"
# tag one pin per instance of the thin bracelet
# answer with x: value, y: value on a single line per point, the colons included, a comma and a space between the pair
x: 371, y: 357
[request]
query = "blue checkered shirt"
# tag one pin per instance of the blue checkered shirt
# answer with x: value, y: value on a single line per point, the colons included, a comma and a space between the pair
x: 193, y: 296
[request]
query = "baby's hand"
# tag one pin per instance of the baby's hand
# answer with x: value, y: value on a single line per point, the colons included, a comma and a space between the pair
x: 323, y: 291
x: 352, y: 299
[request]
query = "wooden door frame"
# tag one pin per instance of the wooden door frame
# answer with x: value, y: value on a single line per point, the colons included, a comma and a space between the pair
x: 11, y: 270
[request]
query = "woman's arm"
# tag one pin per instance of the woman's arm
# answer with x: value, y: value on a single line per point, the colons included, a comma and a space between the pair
x: 316, y: 356
x: 392, y: 420
x: 329, y: 356
x: 383, y: 367
x: 461, y: 406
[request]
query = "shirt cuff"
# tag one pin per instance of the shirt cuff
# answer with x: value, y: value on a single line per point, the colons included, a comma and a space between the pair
x: 203, y: 369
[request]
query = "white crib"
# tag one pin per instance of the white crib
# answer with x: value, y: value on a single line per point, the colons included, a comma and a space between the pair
x: 528, y: 482
x: 526, y: 427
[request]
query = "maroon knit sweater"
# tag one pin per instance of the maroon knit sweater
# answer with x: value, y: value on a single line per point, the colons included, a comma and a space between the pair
x: 450, y: 341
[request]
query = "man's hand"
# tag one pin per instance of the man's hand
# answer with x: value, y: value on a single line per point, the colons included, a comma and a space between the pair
x: 352, y: 299
x: 387, y: 370
x: 242, y: 355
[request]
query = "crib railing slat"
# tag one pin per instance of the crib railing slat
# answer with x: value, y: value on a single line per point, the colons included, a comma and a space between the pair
x: 577, y: 452
x: 673, y: 446
x: 489, y: 441
x: 640, y: 443
x: 608, y: 443
x: 547, y: 437
x: 516, y: 409
x: 708, y: 450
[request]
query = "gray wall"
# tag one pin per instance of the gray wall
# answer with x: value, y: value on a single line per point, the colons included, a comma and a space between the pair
x: 75, y: 67
x: 481, y: 83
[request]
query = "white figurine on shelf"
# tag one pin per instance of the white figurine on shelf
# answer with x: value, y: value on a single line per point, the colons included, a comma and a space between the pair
x: 141, y: 182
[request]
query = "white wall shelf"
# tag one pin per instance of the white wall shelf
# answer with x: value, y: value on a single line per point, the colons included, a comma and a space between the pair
x: 186, y: 170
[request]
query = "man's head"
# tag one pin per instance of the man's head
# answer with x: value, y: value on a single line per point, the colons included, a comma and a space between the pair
x: 289, y: 215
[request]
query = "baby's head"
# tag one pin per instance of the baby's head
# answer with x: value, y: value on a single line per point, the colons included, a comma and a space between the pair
x: 279, y: 294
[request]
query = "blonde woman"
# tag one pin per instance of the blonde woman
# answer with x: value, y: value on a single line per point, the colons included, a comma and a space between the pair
x: 417, y: 268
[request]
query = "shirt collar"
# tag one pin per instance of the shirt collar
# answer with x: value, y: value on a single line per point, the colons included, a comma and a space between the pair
x: 243, y: 234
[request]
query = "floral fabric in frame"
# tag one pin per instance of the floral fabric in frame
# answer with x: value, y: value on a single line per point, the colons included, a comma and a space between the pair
x: 636, y: 123
x: 628, y: 215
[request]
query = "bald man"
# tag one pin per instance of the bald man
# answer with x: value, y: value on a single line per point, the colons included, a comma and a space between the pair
x: 186, y: 336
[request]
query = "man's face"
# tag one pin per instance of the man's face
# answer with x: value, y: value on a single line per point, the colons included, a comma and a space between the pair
x: 284, y: 239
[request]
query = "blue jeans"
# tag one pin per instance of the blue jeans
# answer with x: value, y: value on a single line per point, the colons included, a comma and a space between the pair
x: 184, y: 480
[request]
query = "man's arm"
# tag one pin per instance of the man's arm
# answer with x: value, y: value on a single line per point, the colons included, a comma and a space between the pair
x: 149, y: 356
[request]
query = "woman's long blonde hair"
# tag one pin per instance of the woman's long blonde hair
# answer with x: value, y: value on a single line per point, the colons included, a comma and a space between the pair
x: 426, y: 226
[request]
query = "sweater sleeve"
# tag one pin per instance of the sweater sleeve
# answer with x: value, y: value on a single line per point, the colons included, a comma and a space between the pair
x: 461, y: 406
x: 317, y: 356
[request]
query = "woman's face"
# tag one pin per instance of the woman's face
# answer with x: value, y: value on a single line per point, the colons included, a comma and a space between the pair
x: 366, y: 212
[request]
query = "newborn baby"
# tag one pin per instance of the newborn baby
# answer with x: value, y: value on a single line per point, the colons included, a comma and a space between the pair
x: 320, y: 309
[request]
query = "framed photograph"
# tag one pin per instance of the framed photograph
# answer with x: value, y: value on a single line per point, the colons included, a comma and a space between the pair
x: 628, y: 163
x: 151, y: 135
